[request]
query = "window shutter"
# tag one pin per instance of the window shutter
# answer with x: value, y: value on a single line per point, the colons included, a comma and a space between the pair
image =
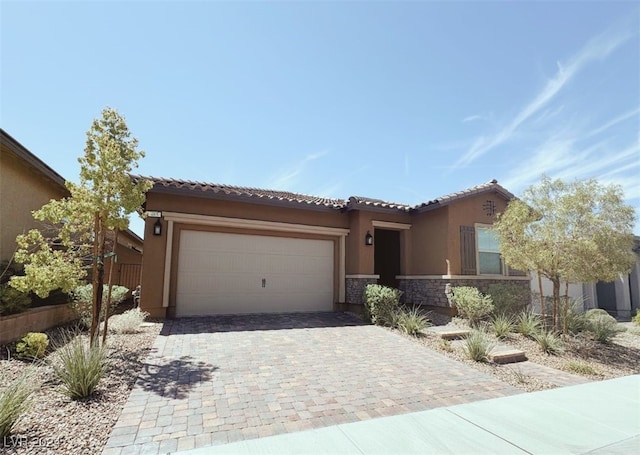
x: 468, y: 250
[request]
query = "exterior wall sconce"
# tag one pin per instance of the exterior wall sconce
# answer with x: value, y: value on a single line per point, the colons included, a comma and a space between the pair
x: 368, y: 239
x: 157, y: 228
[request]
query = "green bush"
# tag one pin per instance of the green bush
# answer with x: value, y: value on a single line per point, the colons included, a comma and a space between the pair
x: 80, y: 367
x: 509, y: 298
x: 549, y: 342
x: 471, y: 303
x: 82, y: 302
x: 528, y: 324
x: 381, y: 304
x: 502, y: 325
x: 412, y: 321
x: 636, y: 318
x: 12, y: 301
x: 15, y: 401
x: 601, y: 325
x: 128, y: 322
x: 477, y: 346
x: 574, y: 319
x: 32, y: 346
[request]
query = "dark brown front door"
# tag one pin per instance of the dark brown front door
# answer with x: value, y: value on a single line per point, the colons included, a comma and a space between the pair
x: 387, y: 256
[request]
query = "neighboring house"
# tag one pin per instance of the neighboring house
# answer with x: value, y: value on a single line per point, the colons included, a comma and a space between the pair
x: 222, y: 249
x: 26, y: 184
x: 621, y: 298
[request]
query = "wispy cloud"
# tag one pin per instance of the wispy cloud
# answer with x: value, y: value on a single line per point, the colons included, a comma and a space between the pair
x: 619, y: 119
x: 562, y: 157
x: 597, y: 48
x: 287, y: 178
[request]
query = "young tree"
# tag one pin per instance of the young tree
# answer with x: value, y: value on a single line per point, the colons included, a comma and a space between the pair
x: 98, y: 207
x: 571, y: 232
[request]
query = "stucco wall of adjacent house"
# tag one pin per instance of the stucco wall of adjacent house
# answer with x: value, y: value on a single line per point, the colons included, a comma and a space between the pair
x: 22, y: 190
x: 468, y: 212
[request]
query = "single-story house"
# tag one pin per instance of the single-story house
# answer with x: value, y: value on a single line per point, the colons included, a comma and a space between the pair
x: 26, y: 184
x: 218, y: 249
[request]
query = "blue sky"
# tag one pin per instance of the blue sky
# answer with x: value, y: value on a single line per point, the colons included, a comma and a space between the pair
x: 403, y: 101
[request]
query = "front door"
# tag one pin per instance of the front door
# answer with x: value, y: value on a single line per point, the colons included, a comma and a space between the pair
x: 387, y: 256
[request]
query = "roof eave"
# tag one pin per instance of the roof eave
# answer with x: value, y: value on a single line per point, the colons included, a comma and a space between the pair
x: 24, y: 154
x: 221, y: 195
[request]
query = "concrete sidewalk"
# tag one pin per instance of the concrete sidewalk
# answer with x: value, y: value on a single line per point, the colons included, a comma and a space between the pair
x: 594, y: 418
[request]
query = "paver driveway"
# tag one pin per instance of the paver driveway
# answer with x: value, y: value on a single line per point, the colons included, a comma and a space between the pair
x: 221, y: 379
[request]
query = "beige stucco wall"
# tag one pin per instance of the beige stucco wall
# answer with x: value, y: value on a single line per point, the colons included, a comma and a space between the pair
x: 22, y: 190
x: 429, y: 237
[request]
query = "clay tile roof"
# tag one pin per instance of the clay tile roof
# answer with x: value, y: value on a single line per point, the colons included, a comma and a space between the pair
x: 245, y: 192
x: 447, y: 199
x: 355, y: 201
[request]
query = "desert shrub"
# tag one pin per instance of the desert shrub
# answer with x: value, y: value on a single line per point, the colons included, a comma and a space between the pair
x: 82, y: 302
x: 581, y: 368
x: 528, y: 324
x: 502, y: 325
x: 574, y: 320
x: 12, y: 301
x: 15, y: 400
x: 381, y: 304
x: 601, y: 325
x: 80, y: 366
x: 509, y: 298
x: 32, y: 346
x: 412, y: 321
x: 477, y: 346
x: 471, y: 303
x: 128, y: 322
x: 549, y: 342
x: 636, y: 318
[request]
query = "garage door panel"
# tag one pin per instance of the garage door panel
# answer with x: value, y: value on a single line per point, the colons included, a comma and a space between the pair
x: 222, y: 273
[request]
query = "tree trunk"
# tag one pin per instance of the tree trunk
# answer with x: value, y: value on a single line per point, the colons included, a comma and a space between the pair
x: 565, y: 310
x: 110, y: 284
x: 98, y: 277
x: 543, y: 306
x: 556, y: 301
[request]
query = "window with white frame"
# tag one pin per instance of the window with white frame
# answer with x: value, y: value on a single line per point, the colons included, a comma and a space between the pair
x: 489, y: 258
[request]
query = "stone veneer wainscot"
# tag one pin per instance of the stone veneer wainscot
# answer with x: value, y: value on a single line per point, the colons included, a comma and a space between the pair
x: 430, y: 289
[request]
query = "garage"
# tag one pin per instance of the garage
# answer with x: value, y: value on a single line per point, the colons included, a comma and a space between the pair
x: 224, y: 273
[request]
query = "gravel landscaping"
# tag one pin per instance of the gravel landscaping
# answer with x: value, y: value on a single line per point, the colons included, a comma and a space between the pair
x: 580, y: 355
x: 57, y: 424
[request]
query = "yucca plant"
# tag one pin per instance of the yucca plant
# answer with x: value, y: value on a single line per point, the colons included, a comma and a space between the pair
x: 528, y: 324
x: 412, y: 321
x: 549, y: 342
x: 477, y: 346
x: 15, y: 401
x: 80, y: 367
x: 502, y: 325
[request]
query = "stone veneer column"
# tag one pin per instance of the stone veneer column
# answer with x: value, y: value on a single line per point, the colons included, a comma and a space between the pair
x: 355, y: 285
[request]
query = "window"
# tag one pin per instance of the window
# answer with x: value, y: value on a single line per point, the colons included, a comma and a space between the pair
x: 489, y: 259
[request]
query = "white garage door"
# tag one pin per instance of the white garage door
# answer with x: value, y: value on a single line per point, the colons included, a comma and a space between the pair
x: 220, y: 273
